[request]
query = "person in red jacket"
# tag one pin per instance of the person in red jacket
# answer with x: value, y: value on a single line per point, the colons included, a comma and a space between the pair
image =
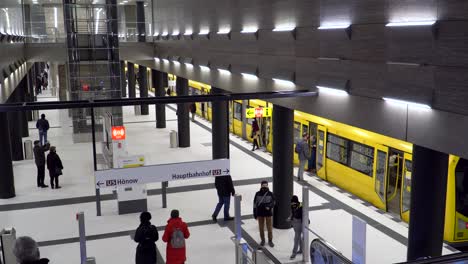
x: 174, y: 235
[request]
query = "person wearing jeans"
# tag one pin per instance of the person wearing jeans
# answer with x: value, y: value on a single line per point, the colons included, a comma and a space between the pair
x: 302, y: 150
x: 224, y: 188
x: 43, y: 126
x: 264, y: 202
x: 296, y: 222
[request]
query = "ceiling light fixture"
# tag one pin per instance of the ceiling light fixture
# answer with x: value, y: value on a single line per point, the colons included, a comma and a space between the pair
x: 175, y: 33
x: 284, y: 82
x: 337, y: 26
x: 249, y: 76
x: 332, y: 91
x: 407, y: 103
x: 204, y: 68
x: 224, y: 31
x: 409, y: 24
x: 223, y: 71
x: 188, y: 32
x: 204, y: 32
x: 284, y: 28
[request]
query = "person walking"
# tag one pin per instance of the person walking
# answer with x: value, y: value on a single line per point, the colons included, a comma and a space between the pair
x: 302, y: 150
x: 255, y: 134
x: 43, y: 126
x: 40, y: 160
x: 263, y: 204
x: 296, y: 222
x: 313, y: 152
x: 27, y: 251
x: 146, y: 236
x: 193, y: 110
x: 175, y: 234
x: 224, y: 188
x: 55, y: 167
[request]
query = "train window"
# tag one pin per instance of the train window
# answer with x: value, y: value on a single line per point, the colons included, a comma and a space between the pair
x: 380, y: 174
x: 238, y: 111
x: 461, y: 178
x: 297, y: 132
x: 321, y: 139
x: 362, y: 158
x: 337, y: 149
x: 407, y: 186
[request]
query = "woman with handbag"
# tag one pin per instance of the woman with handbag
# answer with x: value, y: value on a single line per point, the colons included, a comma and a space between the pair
x: 55, y: 167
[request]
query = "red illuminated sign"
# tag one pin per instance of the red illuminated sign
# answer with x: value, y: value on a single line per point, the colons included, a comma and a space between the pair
x: 118, y: 132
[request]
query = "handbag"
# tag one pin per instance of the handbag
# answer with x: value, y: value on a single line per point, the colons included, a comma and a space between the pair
x: 58, y: 171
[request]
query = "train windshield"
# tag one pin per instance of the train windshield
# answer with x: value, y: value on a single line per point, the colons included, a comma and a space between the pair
x: 461, y: 176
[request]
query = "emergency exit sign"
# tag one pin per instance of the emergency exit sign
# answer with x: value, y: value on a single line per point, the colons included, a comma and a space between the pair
x: 258, y: 112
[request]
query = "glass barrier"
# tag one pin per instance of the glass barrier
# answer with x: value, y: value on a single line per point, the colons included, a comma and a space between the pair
x: 458, y: 258
x: 323, y: 253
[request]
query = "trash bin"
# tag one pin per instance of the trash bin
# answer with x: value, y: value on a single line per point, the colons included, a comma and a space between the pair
x: 28, y: 150
x: 173, y: 139
x: 91, y: 260
x: 7, y: 239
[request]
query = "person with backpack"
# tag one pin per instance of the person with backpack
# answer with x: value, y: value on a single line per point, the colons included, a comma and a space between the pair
x: 263, y: 204
x: 296, y: 222
x: 146, y: 236
x: 175, y: 234
x: 302, y: 150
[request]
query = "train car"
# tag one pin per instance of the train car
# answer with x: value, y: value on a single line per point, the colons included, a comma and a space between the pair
x: 204, y: 108
x: 374, y: 167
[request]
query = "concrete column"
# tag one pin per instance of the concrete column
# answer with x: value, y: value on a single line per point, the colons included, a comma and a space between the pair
x: 53, y: 77
x: 123, y: 79
x: 62, y: 82
x: 158, y: 85
x: 283, y: 118
x: 15, y: 135
x: 143, y: 84
x: 183, y: 119
x: 131, y: 80
x: 427, y: 206
x: 21, y: 97
x: 7, y: 185
x: 140, y: 17
x: 220, y: 133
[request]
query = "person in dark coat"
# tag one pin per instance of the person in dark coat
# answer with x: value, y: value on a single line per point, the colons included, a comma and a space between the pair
x: 193, y: 110
x: 225, y: 189
x: 146, y: 236
x: 40, y: 160
x: 55, y: 167
x: 43, y: 126
x: 296, y: 222
x: 263, y: 204
x: 27, y: 251
x: 255, y: 134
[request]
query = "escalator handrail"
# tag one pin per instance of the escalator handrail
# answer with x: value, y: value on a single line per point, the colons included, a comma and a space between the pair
x: 332, y: 249
x: 442, y: 259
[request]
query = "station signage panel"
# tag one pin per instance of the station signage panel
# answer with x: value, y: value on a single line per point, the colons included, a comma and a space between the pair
x: 258, y: 112
x: 118, y: 133
x: 159, y: 173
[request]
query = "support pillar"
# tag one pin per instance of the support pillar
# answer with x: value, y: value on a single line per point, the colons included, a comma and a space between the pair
x: 7, y: 185
x: 140, y: 17
x: 123, y: 79
x: 283, y: 118
x: 427, y: 212
x: 15, y: 136
x: 21, y: 97
x: 131, y: 80
x: 143, y: 84
x: 220, y: 123
x: 183, y: 119
x: 158, y: 78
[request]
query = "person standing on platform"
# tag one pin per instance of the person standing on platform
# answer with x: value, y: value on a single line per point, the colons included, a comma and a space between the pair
x: 224, y: 188
x: 40, y: 160
x: 313, y: 152
x: 38, y: 84
x: 43, y: 126
x: 146, y: 236
x: 193, y: 110
x: 296, y: 222
x: 263, y: 204
x: 302, y: 150
x: 255, y: 134
x: 55, y: 167
x: 175, y: 234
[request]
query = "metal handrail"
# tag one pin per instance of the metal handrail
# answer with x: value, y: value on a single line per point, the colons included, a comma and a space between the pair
x: 331, y: 249
x: 446, y: 259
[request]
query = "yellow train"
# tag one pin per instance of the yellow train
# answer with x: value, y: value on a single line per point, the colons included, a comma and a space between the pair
x: 374, y: 167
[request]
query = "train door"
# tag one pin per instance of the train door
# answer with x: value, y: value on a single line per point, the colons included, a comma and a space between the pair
x: 380, y: 173
x: 265, y: 130
x: 313, y: 145
x: 321, y: 151
x: 204, y: 106
x: 394, y: 177
x: 406, y: 186
x: 231, y: 116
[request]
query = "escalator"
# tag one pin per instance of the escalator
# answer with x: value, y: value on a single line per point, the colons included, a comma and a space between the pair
x: 322, y: 252
x: 458, y: 258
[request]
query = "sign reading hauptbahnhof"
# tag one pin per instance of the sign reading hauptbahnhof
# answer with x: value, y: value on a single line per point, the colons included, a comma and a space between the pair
x: 159, y: 173
x: 258, y: 112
